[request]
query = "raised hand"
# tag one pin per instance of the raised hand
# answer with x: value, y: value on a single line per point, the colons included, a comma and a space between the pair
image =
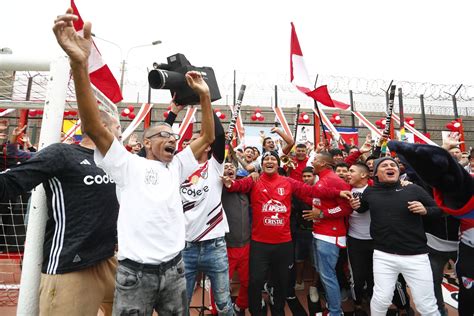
x: 175, y: 108
x: 77, y: 47
x: 366, y: 147
x: 452, y: 141
x: 197, y: 83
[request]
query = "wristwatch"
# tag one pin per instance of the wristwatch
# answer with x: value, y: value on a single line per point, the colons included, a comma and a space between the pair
x: 321, y: 215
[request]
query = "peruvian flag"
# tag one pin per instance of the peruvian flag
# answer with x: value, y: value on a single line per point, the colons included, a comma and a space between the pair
x: 99, y: 73
x: 300, y: 77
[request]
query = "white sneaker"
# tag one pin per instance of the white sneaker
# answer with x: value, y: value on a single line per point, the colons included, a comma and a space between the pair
x: 299, y: 286
x: 313, y: 294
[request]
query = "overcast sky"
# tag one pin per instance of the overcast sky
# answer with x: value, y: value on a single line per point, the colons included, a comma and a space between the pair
x: 427, y: 41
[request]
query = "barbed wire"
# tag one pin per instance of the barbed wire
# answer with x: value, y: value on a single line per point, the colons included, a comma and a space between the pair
x: 369, y: 94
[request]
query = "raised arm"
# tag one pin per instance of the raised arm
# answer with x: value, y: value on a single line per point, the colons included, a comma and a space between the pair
x: 241, y: 185
x: 78, y: 49
x: 287, y: 138
x: 197, y: 83
x: 302, y: 190
x: 218, y: 146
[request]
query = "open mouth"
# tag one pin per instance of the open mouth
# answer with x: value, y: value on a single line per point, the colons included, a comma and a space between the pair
x: 390, y: 173
x: 170, y: 149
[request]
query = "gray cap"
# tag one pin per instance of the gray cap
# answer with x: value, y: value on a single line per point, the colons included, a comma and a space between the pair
x: 378, y: 161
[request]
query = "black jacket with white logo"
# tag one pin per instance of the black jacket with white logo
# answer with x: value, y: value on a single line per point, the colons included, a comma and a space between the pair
x: 393, y: 227
x: 82, y: 205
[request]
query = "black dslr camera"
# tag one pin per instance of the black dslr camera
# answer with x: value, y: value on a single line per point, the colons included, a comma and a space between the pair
x: 171, y: 76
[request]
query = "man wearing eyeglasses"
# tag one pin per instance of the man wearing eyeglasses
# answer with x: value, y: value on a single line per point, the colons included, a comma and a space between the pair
x: 151, y: 229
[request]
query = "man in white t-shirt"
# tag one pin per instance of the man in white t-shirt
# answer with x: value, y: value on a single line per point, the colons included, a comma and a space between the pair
x: 151, y: 232
x: 206, y: 223
x: 359, y: 242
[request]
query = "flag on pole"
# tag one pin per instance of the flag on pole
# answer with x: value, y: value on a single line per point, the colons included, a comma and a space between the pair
x: 142, y: 113
x: 415, y: 131
x: 362, y: 119
x: 186, y: 127
x: 327, y: 123
x: 281, y: 118
x: 300, y: 77
x: 99, y: 73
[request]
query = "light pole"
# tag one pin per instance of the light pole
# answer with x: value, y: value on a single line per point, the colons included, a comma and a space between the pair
x: 124, y: 61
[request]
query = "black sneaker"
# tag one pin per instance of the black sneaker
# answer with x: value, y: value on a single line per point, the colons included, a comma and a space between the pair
x: 295, y: 306
x: 360, y: 312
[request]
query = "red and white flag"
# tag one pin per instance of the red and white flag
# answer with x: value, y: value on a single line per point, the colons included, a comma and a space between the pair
x: 186, y: 126
x: 282, y: 119
x: 300, y: 77
x: 142, y: 113
x: 100, y: 75
x: 327, y: 123
x: 362, y: 119
x: 415, y: 132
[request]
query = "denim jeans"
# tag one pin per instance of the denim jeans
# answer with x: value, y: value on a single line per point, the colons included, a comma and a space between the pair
x: 325, y: 259
x: 209, y: 257
x: 140, y: 289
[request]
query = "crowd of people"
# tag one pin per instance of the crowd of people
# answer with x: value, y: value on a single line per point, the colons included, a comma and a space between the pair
x: 131, y: 227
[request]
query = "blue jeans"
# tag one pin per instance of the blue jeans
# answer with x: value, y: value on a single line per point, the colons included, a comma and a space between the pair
x: 325, y: 259
x: 209, y: 257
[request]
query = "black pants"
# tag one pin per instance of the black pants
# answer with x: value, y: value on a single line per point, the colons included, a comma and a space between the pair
x: 273, y: 258
x: 360, y: 259
x: 438, y: 260
x: 465, y: 273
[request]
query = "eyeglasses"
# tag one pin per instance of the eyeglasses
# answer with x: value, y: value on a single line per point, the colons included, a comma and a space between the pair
x: 165, y: 134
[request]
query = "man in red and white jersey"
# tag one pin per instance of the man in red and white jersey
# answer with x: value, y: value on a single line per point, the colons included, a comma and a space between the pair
x: 329, y: 229
x: 206, y: 223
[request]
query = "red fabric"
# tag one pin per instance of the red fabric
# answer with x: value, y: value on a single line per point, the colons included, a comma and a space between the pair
x: 188, y: 134
x: 271, y: 206
x: 335, y: 210
x: 238, y: 260
x: 102, y: 78
x: 467, y: 208
x: 297, y: 173
x: 352, y: 158
x: 270, y: 198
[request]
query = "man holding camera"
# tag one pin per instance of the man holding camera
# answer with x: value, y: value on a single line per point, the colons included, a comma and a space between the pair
x: 151, y: 229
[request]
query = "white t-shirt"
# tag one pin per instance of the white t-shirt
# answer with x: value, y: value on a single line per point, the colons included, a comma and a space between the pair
x: 201, y: 195
x: 151, y: 222
x: 359, y: 223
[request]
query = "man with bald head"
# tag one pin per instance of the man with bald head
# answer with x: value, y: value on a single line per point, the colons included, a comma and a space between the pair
x: 329, y: 229
x: 151, y: 230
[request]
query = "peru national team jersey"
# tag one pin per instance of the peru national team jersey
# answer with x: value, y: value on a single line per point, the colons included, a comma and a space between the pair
x: 201, y: 196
